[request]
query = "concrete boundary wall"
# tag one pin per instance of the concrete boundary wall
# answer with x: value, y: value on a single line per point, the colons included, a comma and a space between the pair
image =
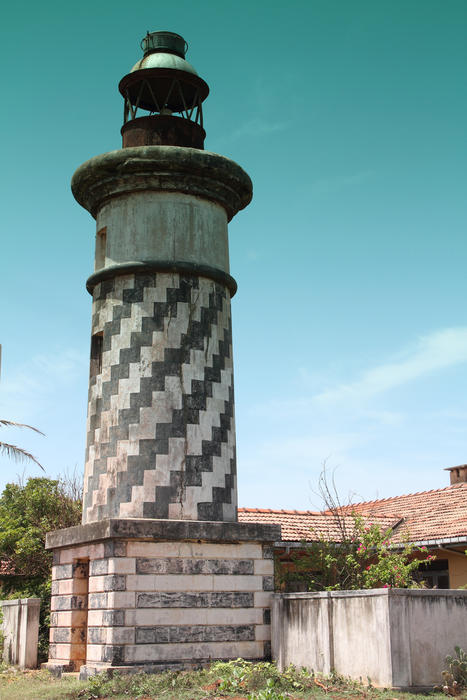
x: 20, y: 629
x: 395, y: 637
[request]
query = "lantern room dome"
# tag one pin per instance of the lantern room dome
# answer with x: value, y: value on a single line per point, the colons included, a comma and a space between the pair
x: 164, y: 60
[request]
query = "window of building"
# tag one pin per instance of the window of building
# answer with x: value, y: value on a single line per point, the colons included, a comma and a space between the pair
x: 435, y: 573
x: 96, y: 354
x: 101, y: 246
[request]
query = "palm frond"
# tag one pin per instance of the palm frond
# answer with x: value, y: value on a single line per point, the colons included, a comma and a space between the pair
x: 12, y: 424
x: 18, y: 454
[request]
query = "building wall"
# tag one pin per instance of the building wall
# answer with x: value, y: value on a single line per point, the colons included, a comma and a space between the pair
x: 457, y: 567
x: 164, y: 226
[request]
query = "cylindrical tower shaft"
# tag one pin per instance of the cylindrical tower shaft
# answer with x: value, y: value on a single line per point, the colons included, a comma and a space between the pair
x: 161, y: 433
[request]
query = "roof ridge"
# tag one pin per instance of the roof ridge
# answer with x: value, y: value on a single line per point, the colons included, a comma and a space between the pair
x: 324, y: 514
x: 408, y: 495
x: 279, y: 510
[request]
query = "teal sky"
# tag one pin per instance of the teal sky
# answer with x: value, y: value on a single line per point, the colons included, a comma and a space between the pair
x: 350, y: 329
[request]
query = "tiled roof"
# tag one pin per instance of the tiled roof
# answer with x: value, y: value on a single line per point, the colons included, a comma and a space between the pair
x: 439, y: 515
x: 428, y: 515
x: 298, y: 525
x: 6, y: 568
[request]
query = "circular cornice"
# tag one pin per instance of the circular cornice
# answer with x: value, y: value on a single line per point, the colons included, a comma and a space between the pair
x: 162, y: 169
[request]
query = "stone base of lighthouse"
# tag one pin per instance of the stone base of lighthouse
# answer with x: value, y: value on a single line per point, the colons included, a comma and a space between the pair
x: 154, y: 594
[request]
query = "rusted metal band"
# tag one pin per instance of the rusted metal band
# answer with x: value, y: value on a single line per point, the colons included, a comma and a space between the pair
x: 180, y: 267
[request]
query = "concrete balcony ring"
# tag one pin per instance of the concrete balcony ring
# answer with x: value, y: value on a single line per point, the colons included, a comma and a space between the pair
x: 162, y: 169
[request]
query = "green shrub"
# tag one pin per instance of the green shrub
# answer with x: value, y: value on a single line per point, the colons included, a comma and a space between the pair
x: 27, y: 512
x: 455, y: 676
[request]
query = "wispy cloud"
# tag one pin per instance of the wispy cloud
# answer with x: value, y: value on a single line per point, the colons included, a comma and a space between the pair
x: 42, y: 378
x: 439, y: 350
x: 258, y: 127
x: 380, y: 447
x: 336, y: 183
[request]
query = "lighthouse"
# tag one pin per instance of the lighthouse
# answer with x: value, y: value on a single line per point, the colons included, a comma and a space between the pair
x: 160, y: 572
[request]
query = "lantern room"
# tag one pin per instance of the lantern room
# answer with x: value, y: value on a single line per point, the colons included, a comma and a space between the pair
x: 163, y: 96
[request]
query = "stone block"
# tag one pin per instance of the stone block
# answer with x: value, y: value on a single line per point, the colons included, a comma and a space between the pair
x: 123, y: 565
x: 67, y: 635
x: 93, y: 652
x: 70, y: 652
x: 62, y: 571
x: 121, y: 599
x: 263, y: 633
x: 69, y: 602
x: 147, y: 653
x: 161, y: 634
x: 180, y: 583
x: 97, y: 635
x: 113, y: 654
x: 264, y: 567
x: 115, y: 548
x: 120, y: 635
x: 115, y: 582
x: 113, y: 618
x: 193, y: 616
x: 98, y: 601
x: 95, y: 617
x: 96, y: 584
x: 237, y: 583
x: 143, y: 582
x: 68, y: 618
x: 98, y: 567
x: 195, y: 600
x: 263, y: 600
x: 179, y: 565
x: 89, y: 551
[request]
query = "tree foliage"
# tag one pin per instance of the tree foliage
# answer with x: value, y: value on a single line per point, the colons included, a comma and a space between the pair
x: 27, y: 513
x: 365, y: 558
x: 361, y: 556
x: 18, y: 454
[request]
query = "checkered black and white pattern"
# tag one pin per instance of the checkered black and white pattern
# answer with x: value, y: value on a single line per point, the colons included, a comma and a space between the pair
x: 161, y: 434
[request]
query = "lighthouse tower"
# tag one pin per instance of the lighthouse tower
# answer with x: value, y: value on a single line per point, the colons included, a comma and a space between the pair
x: 161, y: 572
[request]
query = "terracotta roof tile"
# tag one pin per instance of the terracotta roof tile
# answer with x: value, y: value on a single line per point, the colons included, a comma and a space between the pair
x: 6, y: 568
x: 436, y: 514
x: 308, y: 525
x: 440, y: 514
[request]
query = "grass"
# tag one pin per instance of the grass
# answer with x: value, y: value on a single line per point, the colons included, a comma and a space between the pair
x: 236, y: 679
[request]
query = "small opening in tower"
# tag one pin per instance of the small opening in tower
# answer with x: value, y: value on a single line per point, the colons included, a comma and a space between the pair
x: 96, y: 354
x: 101, y: 246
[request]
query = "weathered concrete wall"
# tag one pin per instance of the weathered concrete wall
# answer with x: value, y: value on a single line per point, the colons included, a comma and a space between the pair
x: 20, y: 629
x: 164, y: 226
x: 397, y: 638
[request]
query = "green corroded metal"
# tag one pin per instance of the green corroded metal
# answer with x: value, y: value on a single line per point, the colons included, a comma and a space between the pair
x: 166, y: 42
